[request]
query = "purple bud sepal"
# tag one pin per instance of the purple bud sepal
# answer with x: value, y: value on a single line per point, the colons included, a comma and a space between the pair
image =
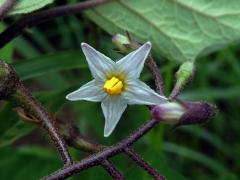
x: 197, y: 113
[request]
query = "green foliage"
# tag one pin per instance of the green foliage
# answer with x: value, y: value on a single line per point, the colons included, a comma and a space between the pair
x: 6, y: 52
x: 33, y: 162
x: 27, y: 6
x: 193, y: 155
x: 179, y: 30
x: 50, y: 63
x: 14, y: 128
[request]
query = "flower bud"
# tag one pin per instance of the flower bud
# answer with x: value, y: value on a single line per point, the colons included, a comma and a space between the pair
x: 183, y: 76
x: 169, y: 113
x: 185, y: 71
x: 8, y: 80
x: 183, y: 112
x: 122, y: 43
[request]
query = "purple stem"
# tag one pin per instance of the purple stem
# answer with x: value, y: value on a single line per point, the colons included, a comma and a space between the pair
x: 94, y: 159
x: 36, y: 18
x: 109, y: 167
x: 152, y: 66
x: 139, y: 160
x: 6, y: 7
x: 74, y: 138
x: 24, y: 99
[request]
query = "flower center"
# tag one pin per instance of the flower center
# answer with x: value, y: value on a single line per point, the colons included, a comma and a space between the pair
x: 113, y: 86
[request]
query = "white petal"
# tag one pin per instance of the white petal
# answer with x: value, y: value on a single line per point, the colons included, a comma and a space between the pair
x: 92, y: 91
x: 99, y: 64
x: 138, y: 92
x: 113, y: 107
x: 133, y: 63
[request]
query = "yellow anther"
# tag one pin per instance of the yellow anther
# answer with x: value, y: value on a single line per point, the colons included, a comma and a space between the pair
x: 113, y: 86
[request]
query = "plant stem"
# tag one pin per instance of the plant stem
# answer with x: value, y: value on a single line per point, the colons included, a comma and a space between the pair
x: 31, y: 110
x: 36, y: 18
x: 24, y: 99
x: 94, y: 159
x: 109, y: 167
x: 6, y: 7
x: 152, y: 66
x: 139, y: 160
x: 126, y: 46
x: 74, y: 138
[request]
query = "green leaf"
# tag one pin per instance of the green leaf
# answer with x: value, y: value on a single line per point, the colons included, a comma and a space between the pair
x: 159, y: 162
x: 179, y: 29
x: 15, y: 132
x: 7, y: 51
x: 196, y: 156
x: 29, y: 162
x: 25, y: 48
x: 11, y: 128
x: 212, y: 138
x: 27, y: 6
x: 228, y: 176
x: 212, y: 93
x: 50, y: 63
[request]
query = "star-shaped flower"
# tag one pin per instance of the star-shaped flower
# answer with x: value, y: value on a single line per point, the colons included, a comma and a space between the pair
x: 116, y: 84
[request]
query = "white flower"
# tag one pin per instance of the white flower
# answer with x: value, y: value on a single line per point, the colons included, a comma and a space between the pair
x: 116, y: 84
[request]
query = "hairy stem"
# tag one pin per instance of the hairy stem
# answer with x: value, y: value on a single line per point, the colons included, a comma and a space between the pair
x: 36, y: 18
x: 31, y: 110
x: 74, y: 138
x: 109, y: 167
x: 152, y: 66
x: 6, y: 7
x: 127, y: 45
x: 31, y: 107
x: 94, y: 159
x: 139, y: 160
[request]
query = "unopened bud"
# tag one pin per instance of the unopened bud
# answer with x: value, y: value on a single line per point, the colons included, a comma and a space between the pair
x: 122, y: 43
x: 8, y: 80
x: 169, y: 113
x: 183, y: 76
x: 185, y: 71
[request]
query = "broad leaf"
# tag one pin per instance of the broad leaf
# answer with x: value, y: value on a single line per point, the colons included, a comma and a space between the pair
x: 27, y: 6
x: 179, y: 29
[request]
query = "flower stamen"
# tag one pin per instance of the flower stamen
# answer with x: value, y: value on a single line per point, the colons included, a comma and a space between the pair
x: 113, y: 86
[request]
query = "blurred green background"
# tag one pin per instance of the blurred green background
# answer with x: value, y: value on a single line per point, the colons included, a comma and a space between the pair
x: 50, y: 61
